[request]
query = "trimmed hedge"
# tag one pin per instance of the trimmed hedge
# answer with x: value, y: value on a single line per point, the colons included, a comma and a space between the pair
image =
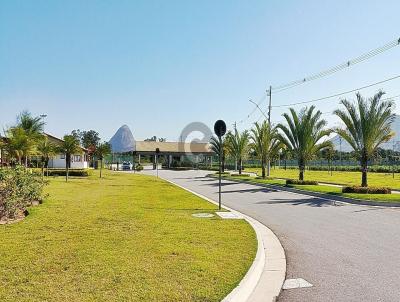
x: 139, y: 168
x: 301, y: 182
x: 71, y: 172
x: 239, y: 175
x: 366, y: 190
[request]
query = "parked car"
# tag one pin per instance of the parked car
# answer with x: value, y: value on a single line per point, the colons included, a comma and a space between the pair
x: 126, y: 165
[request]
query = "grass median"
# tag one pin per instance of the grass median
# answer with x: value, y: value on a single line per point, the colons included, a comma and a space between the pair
x: 325, y: 189
x: 125, y: 237
x: 337, y: 177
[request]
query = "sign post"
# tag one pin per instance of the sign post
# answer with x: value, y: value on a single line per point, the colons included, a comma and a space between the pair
x: 220, y: 130
x: 157, y: 152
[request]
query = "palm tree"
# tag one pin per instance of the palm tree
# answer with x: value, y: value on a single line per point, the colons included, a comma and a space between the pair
x: 368, y: 125
x: 216, y: 148
x: 238, y: 146
x: 46, y: 150
x: 102, y: 150
x: 265, y: 144
x: 68, y: 147
x: 302, y: 135
x: 19, y: 144
x: 33, y: 128
x: 32, y: 125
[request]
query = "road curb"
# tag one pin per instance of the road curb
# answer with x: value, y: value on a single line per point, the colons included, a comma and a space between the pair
x: 264, y: 280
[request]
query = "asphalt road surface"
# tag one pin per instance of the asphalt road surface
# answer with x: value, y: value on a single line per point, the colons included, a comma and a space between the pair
x: 348, y: 252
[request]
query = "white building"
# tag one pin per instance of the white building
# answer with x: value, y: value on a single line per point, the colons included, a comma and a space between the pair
x: 78, y: 161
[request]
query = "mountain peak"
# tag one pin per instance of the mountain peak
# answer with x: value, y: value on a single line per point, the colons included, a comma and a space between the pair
x: 122, y: 141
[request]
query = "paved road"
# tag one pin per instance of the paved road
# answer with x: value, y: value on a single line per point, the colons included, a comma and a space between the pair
x: 348, y: 252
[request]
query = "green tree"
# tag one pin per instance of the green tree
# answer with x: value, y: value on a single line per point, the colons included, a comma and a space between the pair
x: 303, y: 134
x: 367, y: 126
x: 69, y: 147
x: 102, y: 150
x: 46, y: 150
x: 265, y: 143
x: 216, y: 148
x: 238, y: 147
x: 19, y: 144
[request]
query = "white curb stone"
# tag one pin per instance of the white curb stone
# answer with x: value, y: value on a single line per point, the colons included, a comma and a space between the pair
x: 264, y: 280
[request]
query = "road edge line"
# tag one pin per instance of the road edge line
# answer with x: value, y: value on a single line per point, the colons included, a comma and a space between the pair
x: 264, y: 279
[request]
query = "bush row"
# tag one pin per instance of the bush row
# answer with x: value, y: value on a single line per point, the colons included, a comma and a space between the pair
x: 19, y: 188
x: 376, y: 168
x: 301, y: 182
x: 72, y: 172
x: 367, y: 190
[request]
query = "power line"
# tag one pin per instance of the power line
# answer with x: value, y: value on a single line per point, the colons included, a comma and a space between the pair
x: 337, y: 94
x: 344, y: 65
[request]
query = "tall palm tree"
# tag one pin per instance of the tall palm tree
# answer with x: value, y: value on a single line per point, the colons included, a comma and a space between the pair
x: 19, y: 144
x: 238, y: 146
x: 69, y: 147
x: 33, y: 127
x: 216, y: 147
x: 368, y: 125
x: 46, y: 150
x: 102, y: 150
x: 302, y: 135
x: 265, y: 143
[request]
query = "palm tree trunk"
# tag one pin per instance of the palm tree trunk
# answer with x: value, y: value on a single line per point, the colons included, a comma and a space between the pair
x: 43, y: 163
x: 263, y: 168
x: 47, y: 168
x: 301, y: 169
x: 240, y: 166
x: 364, y: 168
x: 268, y: 168
x: 101, y: 166
x: 66, y: 167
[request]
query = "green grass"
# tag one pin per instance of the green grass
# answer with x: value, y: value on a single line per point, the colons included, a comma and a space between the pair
x: 126, y: 237
x: 395, y: 198
x: 340, y: 177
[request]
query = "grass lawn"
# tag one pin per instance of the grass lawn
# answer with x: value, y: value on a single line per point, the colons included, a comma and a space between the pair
x: 320, y: 189
x: 126, y: 237
x: 339, y: 177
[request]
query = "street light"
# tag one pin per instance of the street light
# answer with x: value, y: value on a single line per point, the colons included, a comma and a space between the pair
x: 157, y: 152
x: 43, y: 116
x: 220, y: 130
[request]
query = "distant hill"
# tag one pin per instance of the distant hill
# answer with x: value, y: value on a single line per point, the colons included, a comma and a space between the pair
x: 123, y: 140
x: 389, y: 145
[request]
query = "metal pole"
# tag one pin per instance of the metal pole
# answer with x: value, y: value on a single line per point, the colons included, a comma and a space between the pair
x: 157, y: 164
x: 220, y: 171
x: 269, y: 124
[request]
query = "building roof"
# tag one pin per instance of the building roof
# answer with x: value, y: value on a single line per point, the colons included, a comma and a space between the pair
x: 59, y: 140
x: 172, y: 147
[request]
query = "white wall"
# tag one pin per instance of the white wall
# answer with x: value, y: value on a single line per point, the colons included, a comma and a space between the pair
x: 59, y: 162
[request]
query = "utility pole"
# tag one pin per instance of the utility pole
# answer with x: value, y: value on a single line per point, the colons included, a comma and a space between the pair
x: 340, y: 150
x: 236, y: 162
x: 269, y: 105
x: 269, y: 124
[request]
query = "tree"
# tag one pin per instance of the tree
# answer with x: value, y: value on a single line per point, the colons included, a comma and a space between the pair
x: 368, y: 125
x: 265, y: 144
x: 46, y: 150
x: 216, y: 148
x: 237, y: 145
x: 303, y: 134
x: 19, y: 144
x: 33, y: 128
x: 68, y: 147
x: 102, y: 150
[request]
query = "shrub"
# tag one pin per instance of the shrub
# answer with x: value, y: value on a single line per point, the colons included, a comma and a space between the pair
x: 71, y: 172
x: 19, y: 188
x: 222, y: 173
x: 239, y: 175
x: 139, y: 167
x: 301, y: 182
x: 367, y: 190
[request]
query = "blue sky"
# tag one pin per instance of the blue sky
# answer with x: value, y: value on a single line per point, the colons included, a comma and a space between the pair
x: 159, y: 65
